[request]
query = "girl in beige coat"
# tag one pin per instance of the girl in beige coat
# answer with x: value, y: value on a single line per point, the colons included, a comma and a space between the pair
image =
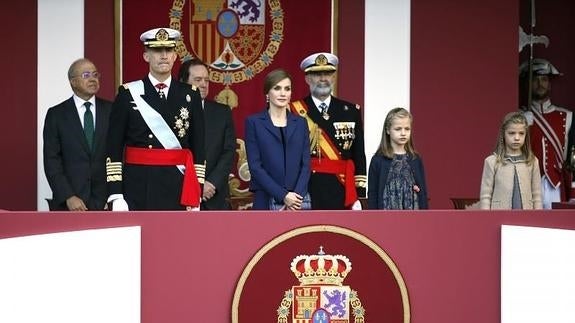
x: 511, y: 177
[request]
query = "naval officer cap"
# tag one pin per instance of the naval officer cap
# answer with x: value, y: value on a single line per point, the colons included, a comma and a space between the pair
x: 160, y: 37
x: 319, y: 62
x: 540, y: 67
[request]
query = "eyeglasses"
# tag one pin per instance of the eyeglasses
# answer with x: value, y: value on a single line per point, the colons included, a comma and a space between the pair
x: 87, y: 75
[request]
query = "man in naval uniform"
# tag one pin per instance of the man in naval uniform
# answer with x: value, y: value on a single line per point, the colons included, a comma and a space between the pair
x: 155, y: 140
x: 338, y: 176
x: 552, y: 133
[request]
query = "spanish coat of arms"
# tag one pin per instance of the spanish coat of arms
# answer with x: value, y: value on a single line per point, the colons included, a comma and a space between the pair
x: 321, y: 296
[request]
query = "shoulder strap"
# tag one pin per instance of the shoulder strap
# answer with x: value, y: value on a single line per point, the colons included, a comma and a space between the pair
x: 318, y: 139
x: 550, y: 134
x: 154, y: 120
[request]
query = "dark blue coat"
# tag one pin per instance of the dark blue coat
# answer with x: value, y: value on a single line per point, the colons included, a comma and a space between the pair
x: 271, y: 174
x: 377, y: 177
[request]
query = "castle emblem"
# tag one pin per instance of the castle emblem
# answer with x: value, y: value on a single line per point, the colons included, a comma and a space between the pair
x: 236, y: 38
x: 321, y: 296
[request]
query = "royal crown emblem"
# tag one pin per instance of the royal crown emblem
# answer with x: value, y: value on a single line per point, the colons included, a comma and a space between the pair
x: 162, y: 35
x: 321, y: 60
x: 321, y: 296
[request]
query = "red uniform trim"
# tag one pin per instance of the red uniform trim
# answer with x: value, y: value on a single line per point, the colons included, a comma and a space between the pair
x: 170, y: 157
x: 338, y: 168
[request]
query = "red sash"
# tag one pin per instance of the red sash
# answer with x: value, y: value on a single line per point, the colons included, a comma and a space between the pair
x: 170, y: 157
x: 338, y: 168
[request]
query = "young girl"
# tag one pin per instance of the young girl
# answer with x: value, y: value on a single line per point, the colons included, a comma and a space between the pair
x: 396, y: 178
x: 511, y: 178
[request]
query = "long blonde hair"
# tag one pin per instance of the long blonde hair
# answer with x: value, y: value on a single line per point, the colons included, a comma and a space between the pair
x: 514, y: 118
x: 385, y: 147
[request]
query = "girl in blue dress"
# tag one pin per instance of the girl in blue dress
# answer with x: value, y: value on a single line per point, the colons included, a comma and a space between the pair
x: 396, y: 177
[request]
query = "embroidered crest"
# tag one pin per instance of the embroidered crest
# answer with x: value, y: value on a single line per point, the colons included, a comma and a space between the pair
x: 162, y: 35
x: 321, y: 60
x: 231, y: 36
x: 321, y: 295
x: 182, y: 122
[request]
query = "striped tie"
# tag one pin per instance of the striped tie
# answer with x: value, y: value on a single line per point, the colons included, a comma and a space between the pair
x: 323, y: 108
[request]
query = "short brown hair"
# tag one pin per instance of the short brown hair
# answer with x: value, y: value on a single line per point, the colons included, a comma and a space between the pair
x: 274, y: 77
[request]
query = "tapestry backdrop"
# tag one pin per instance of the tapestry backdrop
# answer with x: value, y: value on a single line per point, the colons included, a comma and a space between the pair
x: 241, y: 40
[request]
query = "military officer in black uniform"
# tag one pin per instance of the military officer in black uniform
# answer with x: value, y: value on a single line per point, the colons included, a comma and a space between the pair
x: 155, y: 140
x: 338, y: 177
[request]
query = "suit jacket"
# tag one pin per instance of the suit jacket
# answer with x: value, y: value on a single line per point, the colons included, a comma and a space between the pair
x: 273, y: 172
x: 220, y: 148
x: 153, y: 187
x: 378, y: 173
x: 327, y: 190
x: 70, y: 167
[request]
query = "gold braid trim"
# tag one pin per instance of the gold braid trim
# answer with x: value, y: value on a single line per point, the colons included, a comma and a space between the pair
x: 200, y: 172
x: 284, y: 309
x: 360, y: 181
x: 113, y: 171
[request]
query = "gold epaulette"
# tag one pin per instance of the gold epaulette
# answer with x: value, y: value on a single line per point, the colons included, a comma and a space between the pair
x: 360, y: 181
x: 113, y: 171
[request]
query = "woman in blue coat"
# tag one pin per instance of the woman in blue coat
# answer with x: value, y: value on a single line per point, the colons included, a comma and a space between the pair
x: 277, y: 146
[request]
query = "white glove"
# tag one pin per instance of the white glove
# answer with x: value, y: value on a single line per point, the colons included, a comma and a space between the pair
x: 120, y: 204
x: 356, y: 205
x: 192, y: 208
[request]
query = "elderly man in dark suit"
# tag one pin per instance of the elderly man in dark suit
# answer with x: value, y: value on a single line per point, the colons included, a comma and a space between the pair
x: 75, y: 143
x: 220, y: 137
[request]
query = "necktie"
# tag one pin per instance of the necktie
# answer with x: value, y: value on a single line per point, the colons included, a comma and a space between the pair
x: 323, y: 108
x: 161, y: 87
x: 89, y: 125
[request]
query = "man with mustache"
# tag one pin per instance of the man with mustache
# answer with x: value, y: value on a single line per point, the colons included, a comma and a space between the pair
x: 552, y: 133
x: 338, y: 164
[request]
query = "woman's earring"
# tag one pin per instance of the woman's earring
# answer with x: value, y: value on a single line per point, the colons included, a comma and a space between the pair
x: 267, y: 98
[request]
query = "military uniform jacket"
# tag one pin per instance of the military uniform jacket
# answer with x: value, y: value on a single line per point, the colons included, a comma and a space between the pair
x: 552, y: 138
x: 153, y: 187
x: 345, y: 130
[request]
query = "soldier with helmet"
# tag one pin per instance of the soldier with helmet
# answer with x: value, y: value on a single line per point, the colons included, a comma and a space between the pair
x: 338, y: 163
x: 155, y: 139
x: 552, y: 132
